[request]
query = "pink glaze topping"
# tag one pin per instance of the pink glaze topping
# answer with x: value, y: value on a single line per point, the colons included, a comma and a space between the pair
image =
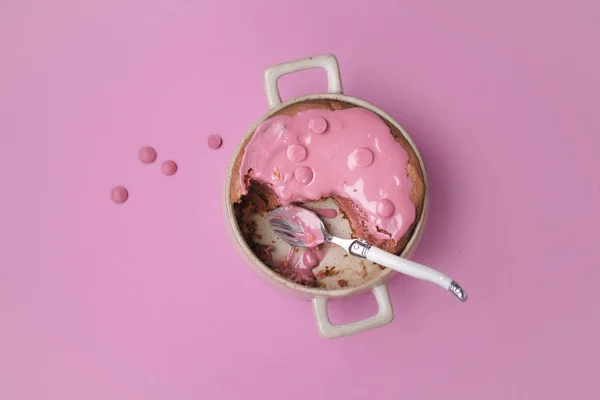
x: 214, y: 141
x: 147, y: 155
x: 119, y: 194
x: 356, y: 157
x: 169, y: 167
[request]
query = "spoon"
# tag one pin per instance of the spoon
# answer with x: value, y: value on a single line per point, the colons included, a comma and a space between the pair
x: 301, y: 227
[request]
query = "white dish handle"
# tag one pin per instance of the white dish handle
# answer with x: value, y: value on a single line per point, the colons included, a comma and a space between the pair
x: 326, y: 61
x: 385, y: 315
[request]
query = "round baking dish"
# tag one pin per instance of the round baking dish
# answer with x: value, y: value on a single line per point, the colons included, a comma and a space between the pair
x: 376, y: 281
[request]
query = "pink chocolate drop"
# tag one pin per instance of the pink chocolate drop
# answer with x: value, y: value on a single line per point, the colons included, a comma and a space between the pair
x: 385, y: 208
x: 214, y: 141
x: 169, y: 167
x: 363, y: 157
x: 296, y: 152
x: 147, y: 155
x: 119, y: 194
x: 304, y: 175
x: 318, y: 125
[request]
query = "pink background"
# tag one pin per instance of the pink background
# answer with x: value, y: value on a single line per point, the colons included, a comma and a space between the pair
x: 148, y: 300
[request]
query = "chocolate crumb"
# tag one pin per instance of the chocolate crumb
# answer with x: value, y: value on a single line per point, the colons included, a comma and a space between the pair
x: 328, y: 271
x: 343, y: 283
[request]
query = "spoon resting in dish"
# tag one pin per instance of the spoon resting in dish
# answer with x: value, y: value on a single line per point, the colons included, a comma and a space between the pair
x: 301, y: 227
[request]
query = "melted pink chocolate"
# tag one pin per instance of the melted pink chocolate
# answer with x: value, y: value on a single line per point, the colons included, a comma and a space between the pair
x: 325, y: 212
x: 300, y: 266
x: 349, y: 153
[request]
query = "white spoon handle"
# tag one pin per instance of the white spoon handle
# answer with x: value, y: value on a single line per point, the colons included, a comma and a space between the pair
x: 415, y: 270
x: 360, y: 248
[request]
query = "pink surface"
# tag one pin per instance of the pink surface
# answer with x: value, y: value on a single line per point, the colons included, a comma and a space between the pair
x: 301, y: 165
x: 147, y: 300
